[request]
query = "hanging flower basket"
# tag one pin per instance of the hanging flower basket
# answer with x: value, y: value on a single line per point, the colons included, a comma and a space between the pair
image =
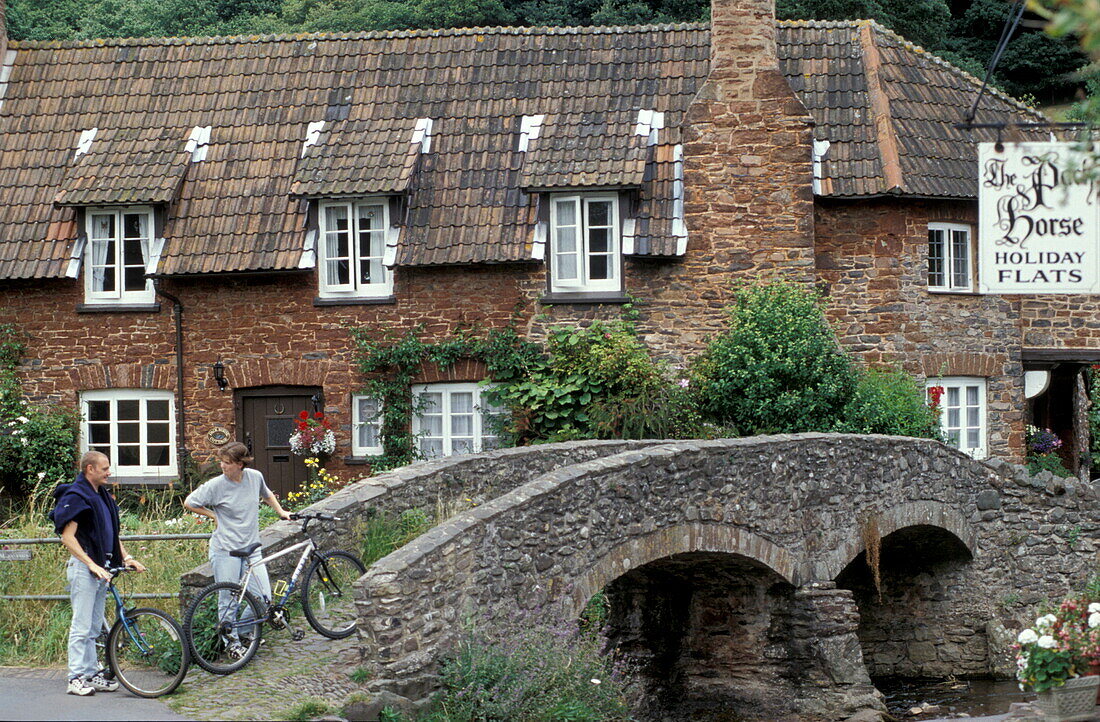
x: 313, y: 437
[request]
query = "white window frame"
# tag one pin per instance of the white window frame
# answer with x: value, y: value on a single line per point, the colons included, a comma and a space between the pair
x: 963, y: 424
x: 357, y: 422
x: 957, y: 263
x: 119, y: 295
x: 144, y: 469
x: 479, y: 433
x: 354, y: 288
x: 582, y: 250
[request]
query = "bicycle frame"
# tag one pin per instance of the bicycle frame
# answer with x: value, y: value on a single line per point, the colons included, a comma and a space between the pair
x: 121, y: 616
x: 307, y: 547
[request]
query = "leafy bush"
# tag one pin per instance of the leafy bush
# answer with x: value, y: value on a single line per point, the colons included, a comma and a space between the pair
x: 37, y: 443
x: 778, y: 367
x: 527, y: 673
x: 1047, y: 462
x: 889, y: 402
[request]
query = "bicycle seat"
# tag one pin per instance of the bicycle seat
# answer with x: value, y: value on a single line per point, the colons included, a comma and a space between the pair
x: 246, y: 552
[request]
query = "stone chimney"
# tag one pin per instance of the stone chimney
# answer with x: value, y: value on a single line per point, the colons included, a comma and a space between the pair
x: 748, y: 166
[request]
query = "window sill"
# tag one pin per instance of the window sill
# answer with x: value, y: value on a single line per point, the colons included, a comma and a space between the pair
x: 557, y: 297
x: 118, y: 308
x: 358, y: 460
x: 952, y: 292
x: 379, y: 301
x: 159, y: 482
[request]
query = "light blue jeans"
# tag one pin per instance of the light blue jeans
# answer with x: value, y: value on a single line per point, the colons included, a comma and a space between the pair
x: 88, y: 595
x: 230, y: 569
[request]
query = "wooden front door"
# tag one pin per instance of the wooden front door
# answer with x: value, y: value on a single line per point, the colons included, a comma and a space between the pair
x: 268, y: 416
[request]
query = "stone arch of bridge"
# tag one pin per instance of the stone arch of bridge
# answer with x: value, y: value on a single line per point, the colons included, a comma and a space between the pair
x: 901, y: 516
x: 681, y: 539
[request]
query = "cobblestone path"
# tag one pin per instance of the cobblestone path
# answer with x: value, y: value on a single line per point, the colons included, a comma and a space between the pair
x: 281, y: 675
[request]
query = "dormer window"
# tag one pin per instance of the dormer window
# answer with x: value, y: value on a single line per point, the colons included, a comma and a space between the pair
x: 584, y: 242
x: 117, y: 255
x: 352, y: 247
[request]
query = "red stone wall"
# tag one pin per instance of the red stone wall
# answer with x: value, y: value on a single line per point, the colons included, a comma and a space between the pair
x: 872, y: 260
x: 265, y: 330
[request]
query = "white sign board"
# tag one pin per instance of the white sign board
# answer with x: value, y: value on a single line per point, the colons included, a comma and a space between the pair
x: 1038, y: 226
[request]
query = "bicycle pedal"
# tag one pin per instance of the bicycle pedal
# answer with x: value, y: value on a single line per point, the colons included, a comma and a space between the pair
x: 298, y: 635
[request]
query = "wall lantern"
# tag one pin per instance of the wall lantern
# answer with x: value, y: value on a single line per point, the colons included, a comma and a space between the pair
x: 219, y: 375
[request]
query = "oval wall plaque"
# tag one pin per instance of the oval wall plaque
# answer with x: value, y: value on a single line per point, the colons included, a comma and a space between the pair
x: 218, y: 435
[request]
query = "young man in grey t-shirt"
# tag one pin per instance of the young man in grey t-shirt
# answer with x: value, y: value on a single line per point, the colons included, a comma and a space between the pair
x: 232, y: 500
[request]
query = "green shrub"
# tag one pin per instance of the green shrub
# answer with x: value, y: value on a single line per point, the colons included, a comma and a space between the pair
x: 777, y: 368
x: 889, y: 402
x: 528, y: 674
x: 1047, y: 462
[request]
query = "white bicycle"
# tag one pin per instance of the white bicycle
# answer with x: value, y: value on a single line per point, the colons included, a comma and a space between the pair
x: 224, y: 612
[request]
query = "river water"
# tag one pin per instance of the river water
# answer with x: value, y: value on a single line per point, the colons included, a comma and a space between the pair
x: 975, y: 697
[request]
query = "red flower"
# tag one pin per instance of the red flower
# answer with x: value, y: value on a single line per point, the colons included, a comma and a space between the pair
x: 303, y: 415
x: 318, y: 415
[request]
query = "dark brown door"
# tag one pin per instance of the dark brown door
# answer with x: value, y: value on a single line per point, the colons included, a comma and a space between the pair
x: 268, y: 417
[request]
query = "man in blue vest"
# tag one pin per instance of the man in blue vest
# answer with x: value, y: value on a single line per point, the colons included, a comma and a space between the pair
x: 86, y: 516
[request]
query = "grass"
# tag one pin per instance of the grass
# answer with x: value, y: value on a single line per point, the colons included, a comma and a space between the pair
x: 35, y: 633
x: 385, y: 533
x: 308, y: 709
x: 359, y: 675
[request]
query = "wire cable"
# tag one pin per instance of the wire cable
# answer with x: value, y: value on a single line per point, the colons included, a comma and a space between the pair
x: 1011, y: 23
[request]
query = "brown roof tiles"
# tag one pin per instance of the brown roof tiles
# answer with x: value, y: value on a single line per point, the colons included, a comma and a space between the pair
x: 240, y: 209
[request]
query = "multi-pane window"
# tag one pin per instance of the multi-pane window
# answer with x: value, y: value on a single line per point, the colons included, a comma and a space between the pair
x: 962, y: 411
x: 584, y: 241
x: 119, y: 243
x: 366, y: 425
x: 453, y: 418
x: 949, y: 256
x: 353, y: 244
x: 134, y: 427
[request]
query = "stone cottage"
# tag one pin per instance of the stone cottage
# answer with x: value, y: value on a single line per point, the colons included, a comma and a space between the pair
x: 189, y: 225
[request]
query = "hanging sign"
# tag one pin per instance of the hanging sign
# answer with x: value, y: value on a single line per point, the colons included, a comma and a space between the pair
x: 1038, y: 219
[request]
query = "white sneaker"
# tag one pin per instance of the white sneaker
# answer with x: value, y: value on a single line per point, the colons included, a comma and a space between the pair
x: 101, y: 684
x: 79, y: 686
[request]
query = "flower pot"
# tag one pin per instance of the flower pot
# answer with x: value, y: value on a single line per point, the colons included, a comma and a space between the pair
x: 1094, y: 671
x: 1072, y: 702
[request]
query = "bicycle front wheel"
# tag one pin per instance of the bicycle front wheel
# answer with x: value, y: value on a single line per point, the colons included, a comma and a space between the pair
x: 222, y: 627
x: 327, y: 597
x: 147, y: 653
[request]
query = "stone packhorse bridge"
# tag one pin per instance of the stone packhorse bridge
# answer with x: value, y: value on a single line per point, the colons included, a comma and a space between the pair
x: 735, y: 570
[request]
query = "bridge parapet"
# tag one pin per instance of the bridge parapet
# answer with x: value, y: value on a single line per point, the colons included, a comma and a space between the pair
x: 418, y: 485
x: 792, y: 504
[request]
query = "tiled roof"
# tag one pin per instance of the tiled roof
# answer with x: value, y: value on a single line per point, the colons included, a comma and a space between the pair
x: 129, y: 166
x: 242, y: 207
x: 575, y: 150
x: 888, y: 110
x: 359, y: 158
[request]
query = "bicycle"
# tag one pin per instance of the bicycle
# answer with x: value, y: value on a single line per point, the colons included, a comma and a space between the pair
x: 326, y: 597
x: 144, y: 647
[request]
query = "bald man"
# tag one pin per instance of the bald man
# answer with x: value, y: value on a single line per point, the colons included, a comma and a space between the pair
x: 86, y: 517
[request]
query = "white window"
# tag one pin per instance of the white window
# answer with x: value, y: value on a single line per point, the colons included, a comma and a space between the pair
x: 584, y: 241
x: 949, y: 255
x: 119, y: 244
x: 353, y: 244
x: 453, y: 419
x: 962, y: 410
x: 366, y: 426
x: 136, y: 428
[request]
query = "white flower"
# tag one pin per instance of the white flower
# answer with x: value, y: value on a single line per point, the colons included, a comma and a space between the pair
x: 1027, y: 637
x: 1094, y: 608
x: 41, y: 475
x: 594, y: 681
x: 1094, y: 620
x: 1047, y: 642
x: 1047, y: 620
x: 22, y: 419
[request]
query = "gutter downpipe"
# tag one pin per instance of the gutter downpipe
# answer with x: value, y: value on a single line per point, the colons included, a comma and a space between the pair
x: 181, y: 425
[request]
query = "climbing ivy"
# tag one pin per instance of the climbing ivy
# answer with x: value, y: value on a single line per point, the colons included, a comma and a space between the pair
x: 596, y: 381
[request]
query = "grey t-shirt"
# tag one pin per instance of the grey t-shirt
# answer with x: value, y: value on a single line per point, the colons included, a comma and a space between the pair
x: 235, y: 504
